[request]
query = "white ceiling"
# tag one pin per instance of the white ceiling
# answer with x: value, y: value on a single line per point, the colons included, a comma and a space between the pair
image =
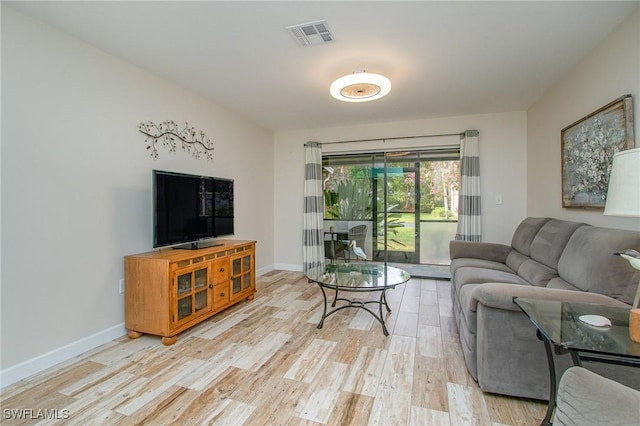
x: 443, y: 58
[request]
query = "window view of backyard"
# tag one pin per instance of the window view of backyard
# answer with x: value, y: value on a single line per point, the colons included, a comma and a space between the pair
x: 407, y: 201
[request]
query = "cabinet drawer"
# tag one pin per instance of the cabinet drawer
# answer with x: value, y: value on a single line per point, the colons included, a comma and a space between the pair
x: 220, y: 295
x: 220, y: 271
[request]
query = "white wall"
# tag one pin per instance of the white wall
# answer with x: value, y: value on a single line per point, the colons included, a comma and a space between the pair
x: 609, y: 71
x: 76, y: 181
x: 503, y: 167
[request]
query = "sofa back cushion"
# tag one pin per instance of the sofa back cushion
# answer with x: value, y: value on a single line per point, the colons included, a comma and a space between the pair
x: 538, y: 243
x: 550, y: 241
x: 536, y: 273
x: 588, y: 263
x: 525, y: 233
x: 515, y: 259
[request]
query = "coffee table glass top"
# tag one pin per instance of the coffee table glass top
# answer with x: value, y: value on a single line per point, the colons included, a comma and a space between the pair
x: 560, y: 323
x: 354, y: 276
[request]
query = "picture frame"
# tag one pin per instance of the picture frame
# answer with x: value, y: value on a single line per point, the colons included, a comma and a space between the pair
x: 588, y: 146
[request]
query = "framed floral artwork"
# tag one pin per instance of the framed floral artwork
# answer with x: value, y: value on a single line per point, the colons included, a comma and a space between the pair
x: 588, y: 146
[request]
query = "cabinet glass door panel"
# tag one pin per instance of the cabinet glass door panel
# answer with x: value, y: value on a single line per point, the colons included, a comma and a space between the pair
x: 201, y: 300
x: 237, y: 285
x: 241, y: 274
x: 184, y: 307
x: 246, y: 280
x: 191, y: 293
x: 201, y: 277
x: 184, y: 283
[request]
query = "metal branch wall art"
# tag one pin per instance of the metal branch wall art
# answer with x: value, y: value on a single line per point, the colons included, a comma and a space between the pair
x: 169, y: 135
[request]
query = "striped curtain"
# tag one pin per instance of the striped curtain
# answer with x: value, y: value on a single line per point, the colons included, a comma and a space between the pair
x: 313, y: 231
x: 469, y: 215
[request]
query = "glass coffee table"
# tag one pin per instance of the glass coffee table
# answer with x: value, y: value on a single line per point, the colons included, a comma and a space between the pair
x: 571, y: 327
x: 357, y: 277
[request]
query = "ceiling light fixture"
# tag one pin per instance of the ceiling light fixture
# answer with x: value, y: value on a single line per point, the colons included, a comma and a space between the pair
x: 360, y: 87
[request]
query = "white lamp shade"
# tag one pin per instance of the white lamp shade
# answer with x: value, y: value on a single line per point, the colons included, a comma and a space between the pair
x: 623, y: 195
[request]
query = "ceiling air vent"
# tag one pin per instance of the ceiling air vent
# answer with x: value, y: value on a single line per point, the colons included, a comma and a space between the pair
x: 311, y: 33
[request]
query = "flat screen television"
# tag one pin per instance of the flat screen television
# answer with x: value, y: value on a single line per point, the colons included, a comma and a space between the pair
x: 188, y: 209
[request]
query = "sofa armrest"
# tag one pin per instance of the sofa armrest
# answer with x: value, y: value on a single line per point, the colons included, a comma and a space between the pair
x: 585, y: 398
x: 500, y: 296
x: 479, y: 250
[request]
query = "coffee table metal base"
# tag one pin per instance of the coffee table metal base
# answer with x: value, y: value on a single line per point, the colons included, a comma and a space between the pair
x: 357, y: 304
x: 551, y: 406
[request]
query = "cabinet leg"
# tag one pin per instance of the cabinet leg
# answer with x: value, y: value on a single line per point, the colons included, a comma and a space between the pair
x: 134, y: 334
x: 168, y: 341
x: 251, y: 297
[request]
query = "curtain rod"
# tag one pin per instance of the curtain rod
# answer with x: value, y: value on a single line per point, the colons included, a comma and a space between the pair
x: 394, y: 138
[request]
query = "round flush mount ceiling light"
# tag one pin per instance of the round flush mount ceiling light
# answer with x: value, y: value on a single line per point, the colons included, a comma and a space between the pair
x: 360, y: 87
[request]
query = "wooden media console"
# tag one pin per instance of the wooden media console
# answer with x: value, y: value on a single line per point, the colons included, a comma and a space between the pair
x: 170, y: 290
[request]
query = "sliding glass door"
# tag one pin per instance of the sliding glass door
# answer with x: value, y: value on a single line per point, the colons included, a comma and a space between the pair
x: 398, y: 207
x: 397, y: 217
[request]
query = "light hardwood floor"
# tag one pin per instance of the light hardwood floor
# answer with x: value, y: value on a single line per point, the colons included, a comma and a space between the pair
x: 265, y: 362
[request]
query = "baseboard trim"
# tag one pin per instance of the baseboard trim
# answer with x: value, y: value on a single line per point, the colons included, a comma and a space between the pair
x: 288, y: 267
x: 35, y: 365
x: 264, y: 270
x: 40, y: 363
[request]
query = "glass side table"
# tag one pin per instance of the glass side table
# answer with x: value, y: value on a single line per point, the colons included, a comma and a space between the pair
x: 357, y: 277
x: 559, y: 326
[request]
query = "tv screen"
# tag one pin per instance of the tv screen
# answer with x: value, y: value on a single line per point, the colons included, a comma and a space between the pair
x: 189, y: 208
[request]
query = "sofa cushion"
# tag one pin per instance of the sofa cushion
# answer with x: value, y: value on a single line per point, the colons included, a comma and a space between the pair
x: 550, y: 241
x: 472, y: 275
x: 536, y: 273
x: 477, y: 263
x: 526, y: 232
x: 561, y: 284
x: 588, y: 262
x: 515, y: 259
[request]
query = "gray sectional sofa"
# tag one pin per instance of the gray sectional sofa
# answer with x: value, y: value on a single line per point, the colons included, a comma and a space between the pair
x: 547, y: 258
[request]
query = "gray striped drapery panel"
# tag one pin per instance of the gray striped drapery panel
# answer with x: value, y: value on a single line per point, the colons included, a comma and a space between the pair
x: 313, y: 231
x: 469, y: 212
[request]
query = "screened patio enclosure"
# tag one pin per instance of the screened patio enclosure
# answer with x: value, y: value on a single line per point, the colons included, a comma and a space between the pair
x: 398, y: 207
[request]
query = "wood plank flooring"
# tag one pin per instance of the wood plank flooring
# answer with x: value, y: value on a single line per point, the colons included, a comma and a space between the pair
x: 264, y: 362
